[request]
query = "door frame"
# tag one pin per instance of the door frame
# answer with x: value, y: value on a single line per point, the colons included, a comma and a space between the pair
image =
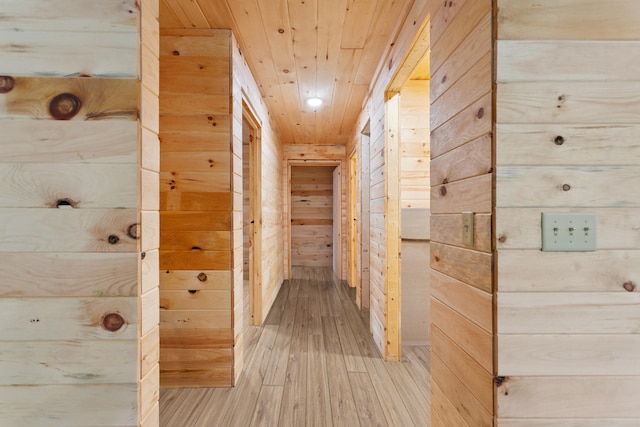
x: 255, y: 214
x: 354, y: 265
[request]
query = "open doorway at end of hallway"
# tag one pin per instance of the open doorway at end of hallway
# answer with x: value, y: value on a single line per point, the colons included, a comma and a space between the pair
x: 312, y: 216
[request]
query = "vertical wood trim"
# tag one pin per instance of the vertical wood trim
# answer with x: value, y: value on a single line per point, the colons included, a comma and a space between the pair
x: 364, y: 141
x: 392, y: 227
x: 352, y: 223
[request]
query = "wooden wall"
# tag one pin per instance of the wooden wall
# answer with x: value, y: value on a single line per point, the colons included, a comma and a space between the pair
x: 312, y: 216
x: 204, y: 85
x: 268, y: 242
x: 462, y: 327
x: 196, y: 336
x: 568, y: 120
x: 79, y: 213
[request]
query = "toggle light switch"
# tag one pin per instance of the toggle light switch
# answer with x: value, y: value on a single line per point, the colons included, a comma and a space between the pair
x: 566, y: 231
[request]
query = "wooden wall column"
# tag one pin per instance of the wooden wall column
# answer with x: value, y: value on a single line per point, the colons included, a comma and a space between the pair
x: 78, y: 213
x: 196, y: 335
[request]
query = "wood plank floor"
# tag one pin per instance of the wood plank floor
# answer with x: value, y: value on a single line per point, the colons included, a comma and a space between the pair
x: 313, y: 363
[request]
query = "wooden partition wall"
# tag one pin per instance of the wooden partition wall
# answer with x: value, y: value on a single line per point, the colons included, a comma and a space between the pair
x: 79, y: 213
x: 568, y: 121
x: 461, y: 177
x: 196, y: 335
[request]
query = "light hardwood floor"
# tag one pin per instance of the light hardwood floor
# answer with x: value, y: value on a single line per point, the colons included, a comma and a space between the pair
x: 313, y: 363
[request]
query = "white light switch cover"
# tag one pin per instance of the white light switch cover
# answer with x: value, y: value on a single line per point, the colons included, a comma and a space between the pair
x: 569, y: 232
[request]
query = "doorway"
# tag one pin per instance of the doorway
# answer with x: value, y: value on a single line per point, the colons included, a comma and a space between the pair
x: 251, y: 219
x: 408, y: 181
x: 312, y: 216
x: 316, y: 215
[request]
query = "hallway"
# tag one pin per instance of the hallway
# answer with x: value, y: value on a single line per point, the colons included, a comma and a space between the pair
x: 312, y: 363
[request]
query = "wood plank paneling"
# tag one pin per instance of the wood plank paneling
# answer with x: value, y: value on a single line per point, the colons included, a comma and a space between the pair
x: 462, y: 181
x: 565, y: 319
x: 78, y: 175
x: 195, y: 70
x: 414, y: 140
x: 537, y: 21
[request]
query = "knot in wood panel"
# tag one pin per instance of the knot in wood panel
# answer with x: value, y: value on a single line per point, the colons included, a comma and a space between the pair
x: 113, y: 322
x: 7, y: 83
x: 559, y: 140
x: 629, y: 286
x: 113, y: 239
x: 64, y: 106
x: 64, y: 203
x: 202, y: 277
x: 566, y: 187
x: 134, y: 231
x: 443, y: 191
x: 480, y: 113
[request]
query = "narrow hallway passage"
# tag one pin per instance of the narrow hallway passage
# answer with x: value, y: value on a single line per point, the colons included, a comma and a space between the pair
x: 313, y: 363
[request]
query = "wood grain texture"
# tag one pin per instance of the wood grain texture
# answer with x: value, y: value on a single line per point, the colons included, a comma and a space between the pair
x: 67, y: 230
x: 526, y: 60
x: 469, y: 266
x: 40, y: 185
x: 570, y: 398
x: 469, y: 407
x: 469, y: 195
x: 475, y: 304
x: 33, y: 141
x: 594, y: 21
x: 603, y: 271
x: 30, y: 274
x: 467, y: 335
x: 575, y: 355
x: 475, y: 378
x: 538, y: 144
x: 71, y: 99
x: 74, y: 405
x: 568, y: 313
x: 590, y: 186
x: 38, y: 319
x: 573, y: 102
x: 66, y: 362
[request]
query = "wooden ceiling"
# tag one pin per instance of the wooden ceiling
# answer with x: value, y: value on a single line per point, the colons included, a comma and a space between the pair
x: 299, y: 49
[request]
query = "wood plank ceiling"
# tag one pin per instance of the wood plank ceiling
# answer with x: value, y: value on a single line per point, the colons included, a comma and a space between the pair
x: 300, y: 49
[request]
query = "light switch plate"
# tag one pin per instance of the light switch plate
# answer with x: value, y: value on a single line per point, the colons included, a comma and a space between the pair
x: 569, y: 231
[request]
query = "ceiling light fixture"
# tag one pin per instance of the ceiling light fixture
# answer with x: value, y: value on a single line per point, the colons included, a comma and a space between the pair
x: 314, y: 102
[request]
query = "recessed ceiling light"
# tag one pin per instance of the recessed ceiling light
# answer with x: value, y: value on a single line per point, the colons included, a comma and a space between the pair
x: 314, y: 102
